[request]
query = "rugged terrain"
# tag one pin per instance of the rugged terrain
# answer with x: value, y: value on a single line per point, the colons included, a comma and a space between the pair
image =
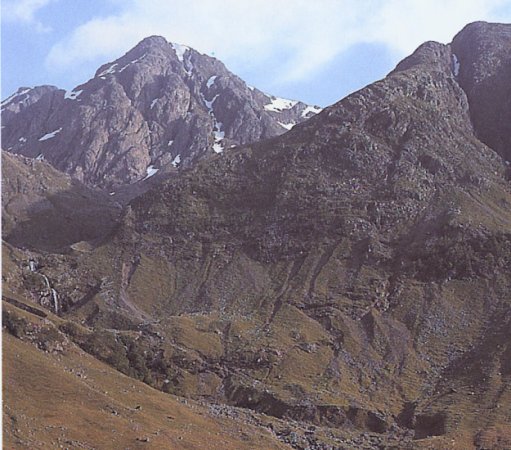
x: 159, y: 107
x: 69, y: 388
x: 349, y: 278
x: 48, y: 210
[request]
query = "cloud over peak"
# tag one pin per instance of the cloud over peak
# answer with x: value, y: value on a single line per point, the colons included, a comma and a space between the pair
x: 250, y: 32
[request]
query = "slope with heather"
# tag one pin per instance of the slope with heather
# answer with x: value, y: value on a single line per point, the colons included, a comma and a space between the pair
x: 350, y: 275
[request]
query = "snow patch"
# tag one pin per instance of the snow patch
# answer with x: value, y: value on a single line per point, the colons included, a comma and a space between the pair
x: 311, y: 109
x: 209, y: 104
x: 72, y: 95
x: 287, y: 126
x: 211, y: 81
x: 188, y: 65
x: 108, y: 70
x: 40, y: 157
x: 111, y: 193
x: 218, y: 133
x: 131, y: 62
x: 176, y: 161
x: 180, y: 50
x: 170, y: 143
x: 50, y: 135
x: 278, y: 104
x: 150, y: 171
x: 455, y: 65
x: 153, y: 103
x: 22, y: 140
x: 15, y: 95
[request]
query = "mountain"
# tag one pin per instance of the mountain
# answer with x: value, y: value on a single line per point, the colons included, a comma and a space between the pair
x: 486, y: 79
x: 160, y: 106
x: 348, y: 280
x: 45, y: 209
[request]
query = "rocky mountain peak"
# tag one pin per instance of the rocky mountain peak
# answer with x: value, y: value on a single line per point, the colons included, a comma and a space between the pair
x: 160, y: 107
x: 153, y: 41
x: 153, y: 51
x: 431, y: 53
x: 24, y: 97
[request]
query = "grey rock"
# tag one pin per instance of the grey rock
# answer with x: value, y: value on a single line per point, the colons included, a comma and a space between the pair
x: 160, y: 107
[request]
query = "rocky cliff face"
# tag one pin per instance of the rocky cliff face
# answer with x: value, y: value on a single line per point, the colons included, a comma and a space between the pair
x: 349, y: 277
x: 161, y: 106
x: 485, y: 76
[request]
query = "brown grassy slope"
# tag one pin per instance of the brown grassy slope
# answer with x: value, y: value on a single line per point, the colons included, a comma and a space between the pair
x: 71, y: 399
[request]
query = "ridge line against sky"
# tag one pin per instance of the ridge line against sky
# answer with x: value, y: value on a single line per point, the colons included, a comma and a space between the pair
x: 317, y: 52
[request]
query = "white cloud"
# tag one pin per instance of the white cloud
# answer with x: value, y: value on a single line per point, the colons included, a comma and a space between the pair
x: 250, y: 32
x: 24, y: 11
x: 405, y: 24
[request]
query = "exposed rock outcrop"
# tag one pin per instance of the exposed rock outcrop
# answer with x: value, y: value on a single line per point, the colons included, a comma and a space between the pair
x: 161, y: 106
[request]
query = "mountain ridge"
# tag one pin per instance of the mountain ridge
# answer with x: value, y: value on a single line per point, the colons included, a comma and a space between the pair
x: 159, y: 107
x: 349, y: 277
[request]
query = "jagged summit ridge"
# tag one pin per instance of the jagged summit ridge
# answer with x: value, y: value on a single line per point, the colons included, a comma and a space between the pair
x: 159, y: 107
x: 156, y: 49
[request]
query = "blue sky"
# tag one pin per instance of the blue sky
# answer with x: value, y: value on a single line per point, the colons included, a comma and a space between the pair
x: 317, y: 51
